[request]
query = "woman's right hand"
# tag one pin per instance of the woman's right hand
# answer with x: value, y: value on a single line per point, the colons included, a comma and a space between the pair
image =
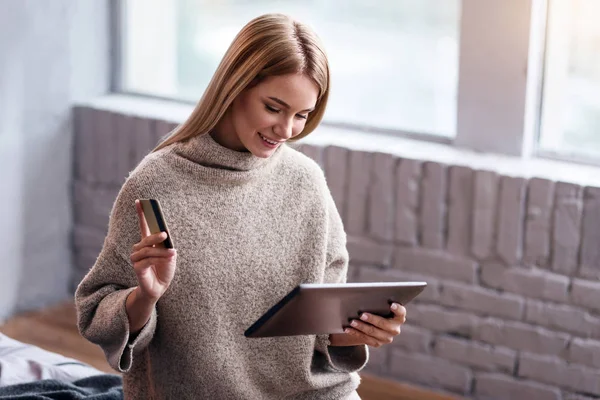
x: 154, y: 266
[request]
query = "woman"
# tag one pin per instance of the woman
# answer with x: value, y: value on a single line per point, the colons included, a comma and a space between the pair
x: 251, y: 218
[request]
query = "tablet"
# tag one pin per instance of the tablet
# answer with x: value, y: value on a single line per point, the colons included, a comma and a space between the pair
x: 311, y: 309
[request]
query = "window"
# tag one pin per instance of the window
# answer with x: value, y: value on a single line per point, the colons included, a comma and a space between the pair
x: 497, y: 76
x: 571, y: 102
x: 172, y: 51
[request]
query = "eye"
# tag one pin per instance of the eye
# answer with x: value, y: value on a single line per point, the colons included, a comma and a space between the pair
x: 271, y: 109
x: 301, y: 116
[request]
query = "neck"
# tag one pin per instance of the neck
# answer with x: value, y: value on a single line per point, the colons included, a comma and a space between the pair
x: 224, y: 134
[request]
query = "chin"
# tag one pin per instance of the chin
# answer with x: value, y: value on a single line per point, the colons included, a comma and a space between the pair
x: 262, y: 153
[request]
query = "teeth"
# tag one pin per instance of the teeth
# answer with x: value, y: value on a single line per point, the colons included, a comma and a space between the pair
x: 267, y: 140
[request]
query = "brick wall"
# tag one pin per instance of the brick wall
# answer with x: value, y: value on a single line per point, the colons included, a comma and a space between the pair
x: 512, y: 310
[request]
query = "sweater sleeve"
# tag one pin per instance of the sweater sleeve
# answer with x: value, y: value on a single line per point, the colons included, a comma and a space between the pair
x: 101, y: 295
x: 349, y: 358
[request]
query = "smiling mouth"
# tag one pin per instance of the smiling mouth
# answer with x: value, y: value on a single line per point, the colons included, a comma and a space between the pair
x: 269, y: 141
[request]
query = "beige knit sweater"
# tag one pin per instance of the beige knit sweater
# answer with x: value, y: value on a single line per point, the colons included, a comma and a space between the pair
x: 247, y: 231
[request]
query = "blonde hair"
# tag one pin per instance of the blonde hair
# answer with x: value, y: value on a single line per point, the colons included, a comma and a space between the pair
x: 269, y: 45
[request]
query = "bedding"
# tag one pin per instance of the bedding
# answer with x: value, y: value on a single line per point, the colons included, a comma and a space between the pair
x: 95, y: 387
x: 29, y: 372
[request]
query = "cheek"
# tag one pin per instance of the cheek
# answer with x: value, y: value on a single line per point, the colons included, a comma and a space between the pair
x: 253, y: 117
x: 261, y: 119
x: 243, y: 118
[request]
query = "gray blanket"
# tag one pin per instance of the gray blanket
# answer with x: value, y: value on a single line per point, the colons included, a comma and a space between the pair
x: 97, y: 387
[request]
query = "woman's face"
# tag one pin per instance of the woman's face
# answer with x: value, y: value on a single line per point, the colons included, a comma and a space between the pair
x: 265, y: 115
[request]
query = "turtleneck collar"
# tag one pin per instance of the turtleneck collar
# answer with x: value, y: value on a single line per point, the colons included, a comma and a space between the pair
x: 204, y: 156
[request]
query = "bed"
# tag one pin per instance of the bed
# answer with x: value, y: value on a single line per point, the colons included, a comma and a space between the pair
x: 29, y: 372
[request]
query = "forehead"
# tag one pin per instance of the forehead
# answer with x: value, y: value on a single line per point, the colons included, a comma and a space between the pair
x: 297, y: 90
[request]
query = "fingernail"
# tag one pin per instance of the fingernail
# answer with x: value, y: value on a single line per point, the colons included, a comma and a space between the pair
x: 354, y: 324
x: 364, y: 317
x: 346, y: 330
x: 394, y: 306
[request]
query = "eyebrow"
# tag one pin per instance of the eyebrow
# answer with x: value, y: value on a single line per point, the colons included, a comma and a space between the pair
x: 286, y: 105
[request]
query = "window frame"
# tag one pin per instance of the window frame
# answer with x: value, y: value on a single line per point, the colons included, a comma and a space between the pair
x: 117, y: 9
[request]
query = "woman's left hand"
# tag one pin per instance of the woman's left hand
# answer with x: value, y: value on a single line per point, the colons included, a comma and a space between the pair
x: 371, y: 330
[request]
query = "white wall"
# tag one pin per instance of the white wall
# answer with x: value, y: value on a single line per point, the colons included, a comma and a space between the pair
x: 52, y: 53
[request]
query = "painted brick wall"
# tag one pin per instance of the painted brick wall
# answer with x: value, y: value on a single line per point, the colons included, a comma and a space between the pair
x: 512, y: 310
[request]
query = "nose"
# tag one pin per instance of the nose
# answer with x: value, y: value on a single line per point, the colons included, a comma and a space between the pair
x: 284, y: 129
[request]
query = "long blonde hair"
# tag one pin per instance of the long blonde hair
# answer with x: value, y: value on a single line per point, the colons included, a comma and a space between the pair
x: 269, y: 45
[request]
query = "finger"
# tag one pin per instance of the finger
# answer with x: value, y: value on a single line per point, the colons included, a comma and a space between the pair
x: 399, y: 312
x: 147, y: 263
x: 362, y: 337
x: 145, y: 231
x: 146, y: 252
x: 387, y: 324
x: 150, y: 241
x: 372, y: 331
